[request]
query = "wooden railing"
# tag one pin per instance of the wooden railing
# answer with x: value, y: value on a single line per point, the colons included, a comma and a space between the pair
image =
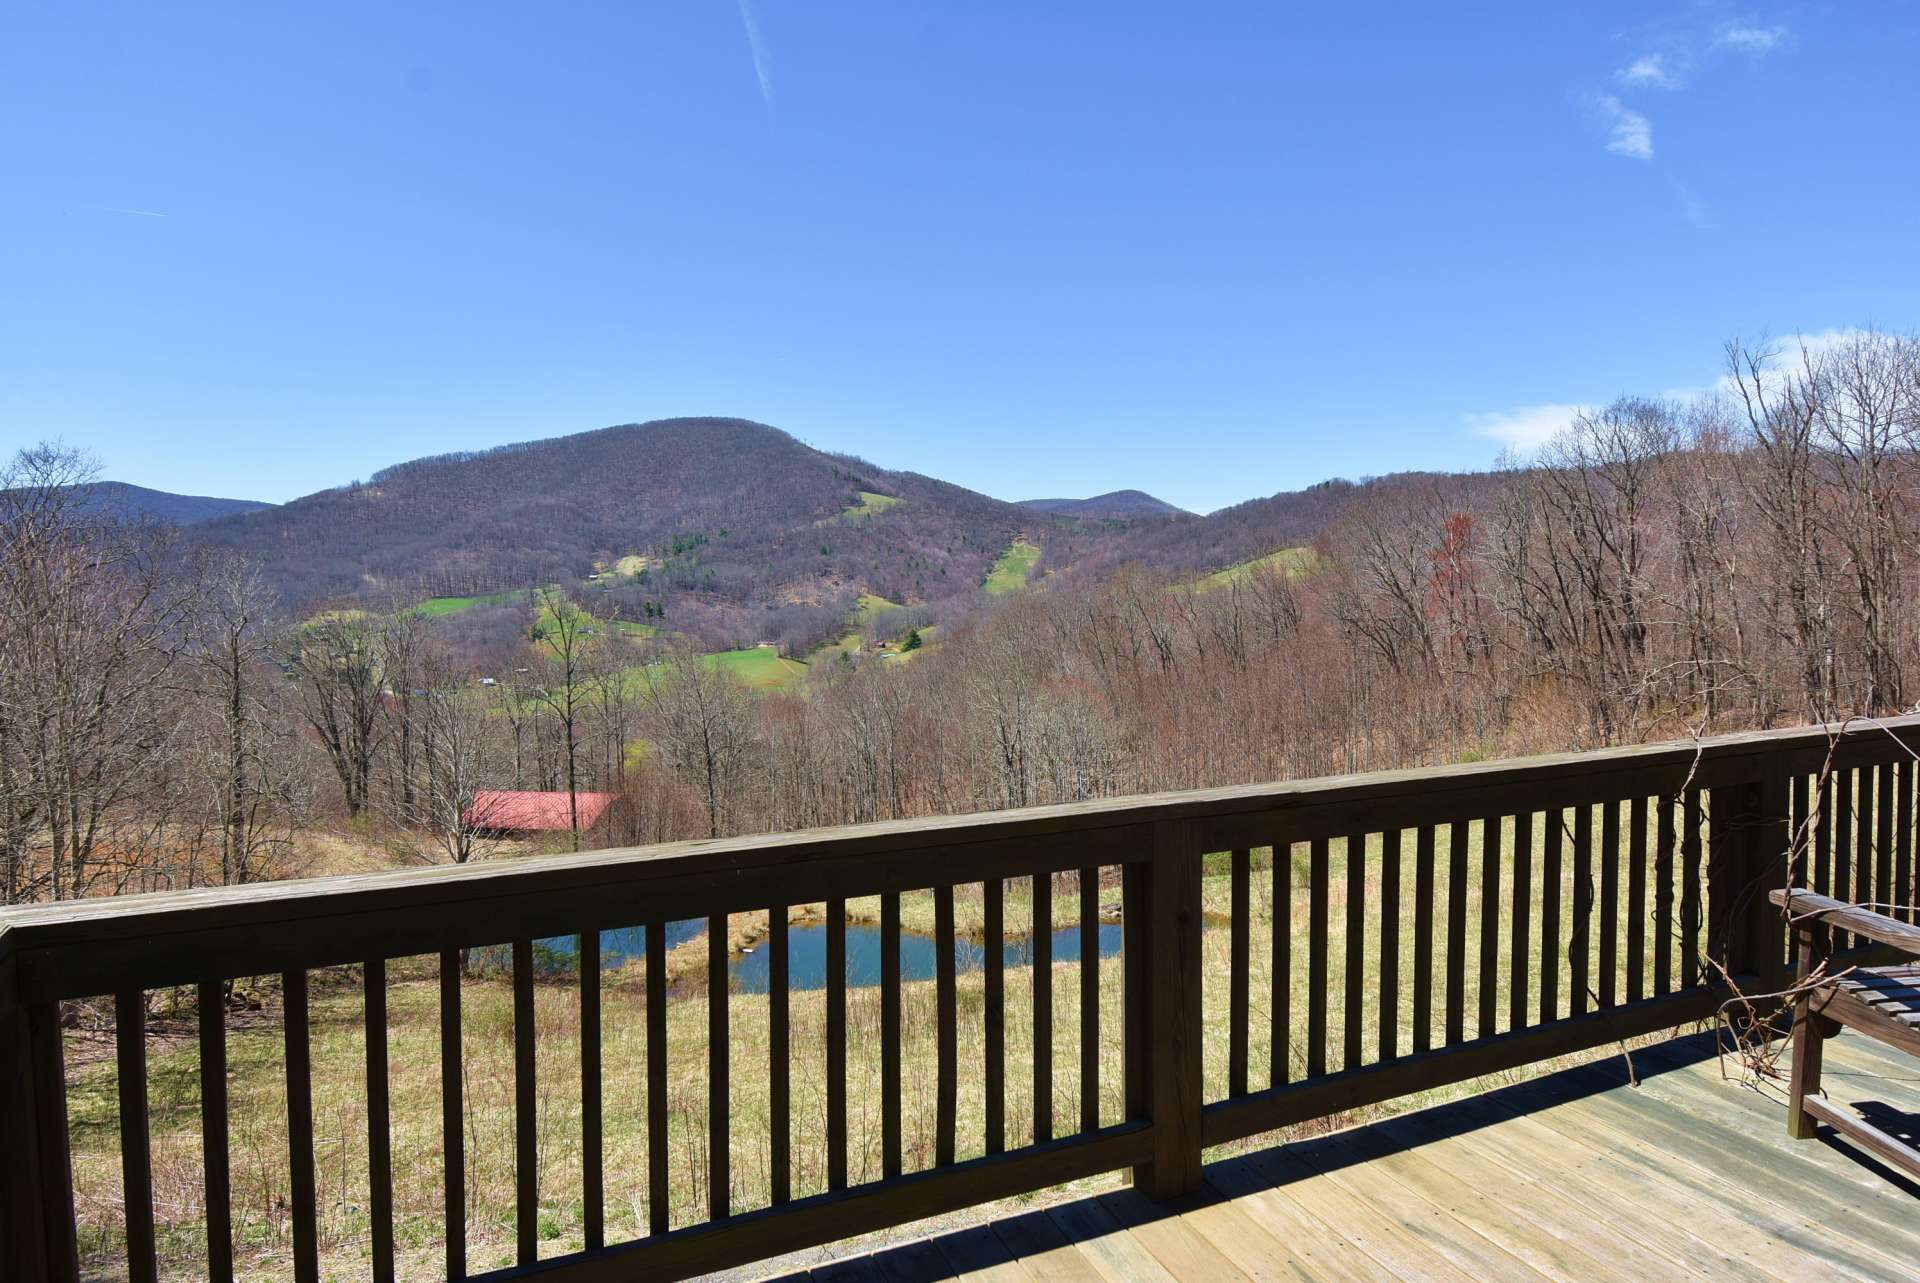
x: 1458, y: 921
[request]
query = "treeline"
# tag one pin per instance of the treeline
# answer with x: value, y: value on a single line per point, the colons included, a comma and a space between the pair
x: 1660, y: 569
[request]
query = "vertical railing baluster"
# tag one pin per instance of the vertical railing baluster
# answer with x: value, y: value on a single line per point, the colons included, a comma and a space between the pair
x: 1317, y: 876
x: 593, y: 1191
x: 526, y: 1121
x: 1610, y: 902
x: 1520, y: 950
x: 1552, y: 871
x: 216, y: 1162
x: 1903, y: 839
x: 1798, y: 868
x: 136, y: 1158
x: 1423, y: 938
x: 452, y: 1118
x: 1356, y: 936
x: 1690, y: 853
x: 1042, y: 1007
x: 1883, y: 865
x: 1636, y: 898
x: 995, y: 1015
x: 1389, y: 1042
x: 659, y: 1203
x: 1136, y: 918
x: 1456, y: 939
x: 890, y: 1161
x: 1843, y: 848
x: 1820, y: 878
x: 719, y: 1074
x: 779, y: 1056
x: 946, y: 1020
x: 1491, y: 831
x: 837, y: 1044
x: 1577, y: 905
x: 300, y: 1161
x: 1722, y: 863
x: 1663, y: 897
x: 1240, y: 928
x: 1089, y: 999
x: 1280, y: 982
x: 1580, y: 935
x: 1862, y: 842
x: 379, y: 1120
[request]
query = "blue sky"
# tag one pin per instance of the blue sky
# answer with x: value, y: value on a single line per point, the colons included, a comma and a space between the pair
x: 1213, y: 251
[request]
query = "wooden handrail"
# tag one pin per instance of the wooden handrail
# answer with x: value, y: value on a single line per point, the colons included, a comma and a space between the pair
x: 1670, y: 850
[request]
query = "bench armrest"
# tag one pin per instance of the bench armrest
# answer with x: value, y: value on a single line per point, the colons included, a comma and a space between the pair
x: 1809, y: 905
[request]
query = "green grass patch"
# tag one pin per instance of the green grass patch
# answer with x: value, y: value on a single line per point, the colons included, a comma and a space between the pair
x: 1010, y: 573
x: 1298, y: 563
x: 870, y: 504
x: 434, y: 606
x: 870, y: 605
x: 759, y: 667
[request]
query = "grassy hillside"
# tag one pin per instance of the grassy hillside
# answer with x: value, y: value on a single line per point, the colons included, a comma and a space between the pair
x: 760, y: 668
x: 1011, y: 571
x: 454, y: 605
x: 870, y: 504
x: 1297, y: 562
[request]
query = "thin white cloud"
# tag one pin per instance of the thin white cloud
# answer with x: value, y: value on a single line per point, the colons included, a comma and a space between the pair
x: 138, y: 213
x: 1649, y: 71
x: 1749, y: 39
x: 1526, y: 428
x: 1695, y: 210
x: 762, y: 60
x: 1629, y: 133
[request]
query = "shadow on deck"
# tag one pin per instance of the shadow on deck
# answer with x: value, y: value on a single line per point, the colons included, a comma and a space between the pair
x: 1580, y: 1175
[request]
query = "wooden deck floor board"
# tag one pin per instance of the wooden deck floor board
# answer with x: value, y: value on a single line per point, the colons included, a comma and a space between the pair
x: 1626, y: 1227
x: 1047, y: 1254
x: 1104, y: 1241
x: 1388, y: 1201
x: 1512, y: 1215
x: 1576, y: 1176
x: 978, y: 1256
x: 1783, y: 1237
x: 1385, y: 1240
x: 1714, y: 1129
x: 1175, y: 1243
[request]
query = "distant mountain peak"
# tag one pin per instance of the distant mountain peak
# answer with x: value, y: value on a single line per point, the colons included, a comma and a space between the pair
x: 1115, y: 503
x: 126, y: 502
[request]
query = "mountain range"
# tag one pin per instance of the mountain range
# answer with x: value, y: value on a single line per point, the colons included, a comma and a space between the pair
x: 124, y: 502
x: 1115, y: 503
x: 724, y: 528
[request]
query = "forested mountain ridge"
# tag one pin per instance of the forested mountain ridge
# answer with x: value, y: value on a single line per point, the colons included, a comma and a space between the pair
x: 727, y: 517
x: 1115, y: 503
x: 124, y: 502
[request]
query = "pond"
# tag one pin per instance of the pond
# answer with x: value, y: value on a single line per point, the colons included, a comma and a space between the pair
x: 807, y: 952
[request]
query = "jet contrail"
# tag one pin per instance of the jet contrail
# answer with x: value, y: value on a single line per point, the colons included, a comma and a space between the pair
x: 762, y: 63
x: 143, y: 213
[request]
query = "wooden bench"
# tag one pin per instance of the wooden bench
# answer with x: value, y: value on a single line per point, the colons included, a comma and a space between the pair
x: 1880, y: 1002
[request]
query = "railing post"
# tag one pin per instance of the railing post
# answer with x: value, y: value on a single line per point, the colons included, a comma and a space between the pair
x: 1757, y: 837
x: 22, y: 1237
x: 1164, y: 1026
x: 36, y: 1200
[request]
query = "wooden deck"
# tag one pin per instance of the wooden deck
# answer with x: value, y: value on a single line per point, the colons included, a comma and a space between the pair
x: 1577, y: 1176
